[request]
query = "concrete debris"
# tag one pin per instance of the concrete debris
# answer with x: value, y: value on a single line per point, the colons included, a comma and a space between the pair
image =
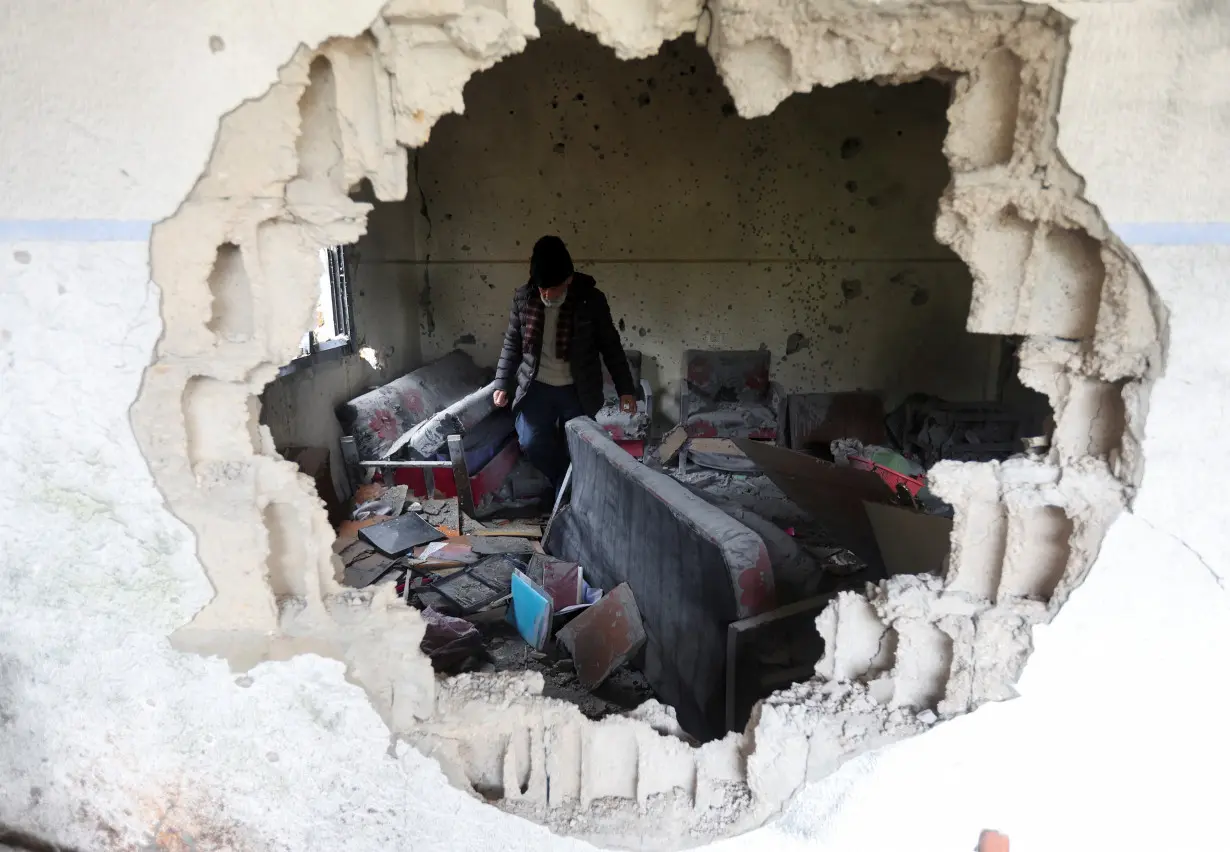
x: 364, y: 565
x: 390, y: 505
x: 488, y: 545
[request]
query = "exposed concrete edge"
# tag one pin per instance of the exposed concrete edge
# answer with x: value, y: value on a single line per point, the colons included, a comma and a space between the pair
x: 276, y: 188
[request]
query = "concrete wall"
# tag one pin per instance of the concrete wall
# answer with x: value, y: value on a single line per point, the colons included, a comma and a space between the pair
x: 298, y: 408
x: 808, y: 231
x: 113, y: 739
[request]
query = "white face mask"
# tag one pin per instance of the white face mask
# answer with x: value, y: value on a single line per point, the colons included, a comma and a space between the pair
x: 558, y: 298
x: 553, y: 302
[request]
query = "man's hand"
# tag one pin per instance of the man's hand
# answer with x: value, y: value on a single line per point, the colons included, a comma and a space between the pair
x: 500, y: 398
x: 627, y: 404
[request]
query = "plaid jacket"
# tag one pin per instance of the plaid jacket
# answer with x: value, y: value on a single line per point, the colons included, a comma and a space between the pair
x: 586, y: 338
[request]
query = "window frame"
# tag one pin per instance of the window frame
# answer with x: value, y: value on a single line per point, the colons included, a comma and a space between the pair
x: 339, y: 260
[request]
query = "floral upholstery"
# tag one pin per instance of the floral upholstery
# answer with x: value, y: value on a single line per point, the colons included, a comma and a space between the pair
x: 728, y: 394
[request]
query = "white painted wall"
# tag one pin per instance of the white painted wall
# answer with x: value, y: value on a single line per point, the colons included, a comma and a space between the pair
x: 705, y: 230
x: 1117, y: 741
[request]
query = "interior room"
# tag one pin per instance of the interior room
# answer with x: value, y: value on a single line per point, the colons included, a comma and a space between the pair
x: 774, y: 281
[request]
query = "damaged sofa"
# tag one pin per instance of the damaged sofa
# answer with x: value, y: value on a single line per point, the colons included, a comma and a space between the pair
x: 728, y: 394
x: 691, y: 567
x: 412, y: 417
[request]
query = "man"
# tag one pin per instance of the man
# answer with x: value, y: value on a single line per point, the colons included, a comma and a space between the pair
x: 558, y: 328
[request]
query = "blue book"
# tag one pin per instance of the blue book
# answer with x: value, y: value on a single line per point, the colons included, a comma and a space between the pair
x: 531, y: 610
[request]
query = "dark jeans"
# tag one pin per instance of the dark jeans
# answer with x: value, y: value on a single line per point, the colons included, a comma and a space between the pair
x: 540, y: 419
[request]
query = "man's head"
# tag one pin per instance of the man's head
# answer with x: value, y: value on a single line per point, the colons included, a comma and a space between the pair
x: 551, y: 269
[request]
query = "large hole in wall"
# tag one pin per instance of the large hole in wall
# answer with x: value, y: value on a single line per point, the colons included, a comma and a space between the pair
x: 803, y: 239
x: 806, y: 235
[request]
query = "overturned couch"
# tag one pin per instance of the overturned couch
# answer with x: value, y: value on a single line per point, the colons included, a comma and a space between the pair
x: 692, y: 568
x: 412, y: 416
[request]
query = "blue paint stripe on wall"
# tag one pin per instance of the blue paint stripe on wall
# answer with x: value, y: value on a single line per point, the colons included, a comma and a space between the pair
x: 75, y: 230
x: 134, y: 230
x: 1173, y: 233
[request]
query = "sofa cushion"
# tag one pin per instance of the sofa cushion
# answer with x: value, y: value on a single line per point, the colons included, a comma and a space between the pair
x: 692, y: 568
x: 732, y: 420
x: 379, y: 417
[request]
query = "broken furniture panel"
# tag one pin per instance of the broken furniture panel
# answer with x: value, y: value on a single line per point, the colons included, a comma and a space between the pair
x: 514, y: 528
x: 478, y: 587
x: 605, y: 636
x: 398, y: 536
x: 671, y: 445
x: 488, y: 545
x: 833, y: 495
x: 787, y: 633
x: 911, y: 542
x: 692, y: 568
x: 727, y: 394
x: 629, y: 431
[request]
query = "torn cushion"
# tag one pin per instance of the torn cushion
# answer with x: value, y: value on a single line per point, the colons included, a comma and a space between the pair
x: 623, y: 426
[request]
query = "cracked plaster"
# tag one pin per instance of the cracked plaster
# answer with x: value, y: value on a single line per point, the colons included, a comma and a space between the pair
x: 218, y: 476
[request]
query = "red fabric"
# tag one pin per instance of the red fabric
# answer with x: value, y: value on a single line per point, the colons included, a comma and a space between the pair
x: 533, y: 316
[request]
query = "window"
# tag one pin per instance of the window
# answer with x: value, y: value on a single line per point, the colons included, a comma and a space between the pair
x: 333, y: 321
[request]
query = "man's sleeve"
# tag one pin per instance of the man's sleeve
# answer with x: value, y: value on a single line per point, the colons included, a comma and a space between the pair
x: 612, y: 350
x: 510, y: 353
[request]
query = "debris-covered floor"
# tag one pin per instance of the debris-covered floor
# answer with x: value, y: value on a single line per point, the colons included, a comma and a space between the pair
x: 832, y: 517
x: 469, y: 579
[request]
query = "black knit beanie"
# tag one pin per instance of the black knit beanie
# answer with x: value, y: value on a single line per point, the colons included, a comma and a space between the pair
x: 550, y: 265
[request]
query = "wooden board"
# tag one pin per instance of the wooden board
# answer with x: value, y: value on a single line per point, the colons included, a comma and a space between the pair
x: 724, y: 446
x: 911, y: 542
x: 671, y: 444
x: 832, y: 495
x: 515, y: 532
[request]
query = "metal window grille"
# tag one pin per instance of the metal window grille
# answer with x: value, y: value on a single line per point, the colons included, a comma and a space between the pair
x: 339, y: 280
